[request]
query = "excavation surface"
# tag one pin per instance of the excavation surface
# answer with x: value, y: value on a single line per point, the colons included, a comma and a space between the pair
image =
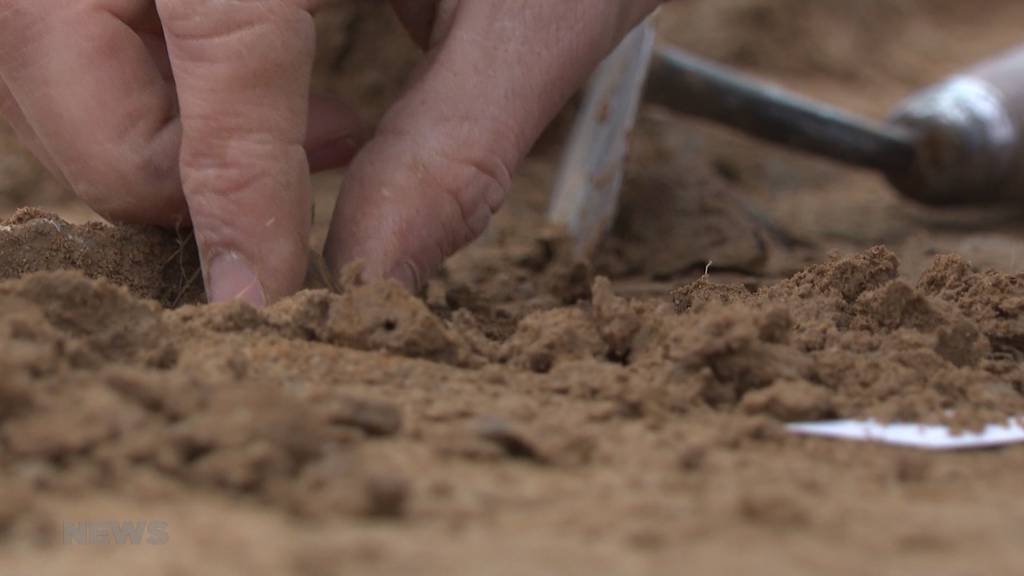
x: 530, y: 414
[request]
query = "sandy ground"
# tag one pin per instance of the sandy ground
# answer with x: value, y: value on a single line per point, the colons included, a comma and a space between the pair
x: 529, y: 414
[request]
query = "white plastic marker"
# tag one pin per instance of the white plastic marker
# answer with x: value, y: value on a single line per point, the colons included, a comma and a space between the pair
x: 925, y: 437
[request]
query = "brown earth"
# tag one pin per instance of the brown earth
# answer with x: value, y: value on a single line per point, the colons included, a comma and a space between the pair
x: 530, y: 414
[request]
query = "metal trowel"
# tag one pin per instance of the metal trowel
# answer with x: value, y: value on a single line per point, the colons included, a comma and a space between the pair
x: 956, y: 143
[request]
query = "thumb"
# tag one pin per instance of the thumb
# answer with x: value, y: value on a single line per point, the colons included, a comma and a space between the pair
x: 441, y: 162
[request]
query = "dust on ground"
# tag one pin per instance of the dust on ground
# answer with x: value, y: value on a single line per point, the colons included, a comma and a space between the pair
x: 532, y: 414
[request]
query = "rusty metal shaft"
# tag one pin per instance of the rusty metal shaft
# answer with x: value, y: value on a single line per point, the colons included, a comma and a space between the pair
x: 693, y: 86
x: 960, y: 142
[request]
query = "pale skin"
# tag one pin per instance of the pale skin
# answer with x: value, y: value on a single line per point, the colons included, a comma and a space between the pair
x: 198, y: 113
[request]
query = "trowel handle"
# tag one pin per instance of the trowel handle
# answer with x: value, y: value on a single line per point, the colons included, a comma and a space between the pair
x: 969, y: 136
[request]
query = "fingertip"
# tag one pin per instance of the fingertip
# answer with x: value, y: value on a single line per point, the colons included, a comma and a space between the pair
x: 231, y: 277
x: 408, y: 275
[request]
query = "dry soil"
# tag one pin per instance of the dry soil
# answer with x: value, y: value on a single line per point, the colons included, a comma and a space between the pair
x: 530, y: 414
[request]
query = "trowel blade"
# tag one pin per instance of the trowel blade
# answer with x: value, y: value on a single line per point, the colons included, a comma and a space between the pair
x: 586, y: 194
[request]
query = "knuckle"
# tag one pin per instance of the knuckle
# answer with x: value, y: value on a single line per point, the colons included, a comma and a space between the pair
x: 233, y: 172
x: 217, y: 174
x: 237, y: 43
x: 476, y: 190
x: 211, y: 19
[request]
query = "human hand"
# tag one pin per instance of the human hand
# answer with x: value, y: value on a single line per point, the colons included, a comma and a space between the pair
x: 198, y: 111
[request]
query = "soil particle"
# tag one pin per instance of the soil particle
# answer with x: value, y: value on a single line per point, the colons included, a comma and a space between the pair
x: 617, y: 320
x: 387, y: 497
x: 93, y: 322
x: 994, y: 301
x: 697, y: 295
x: 790, y: 400
x: 516, y: 443
x: 847, y: 277
x: 742, y: 347
x: 774, y: 507
x: 151, y: 263
x: 379, y: 316
x: 374, y: 418
x: 545, y: 339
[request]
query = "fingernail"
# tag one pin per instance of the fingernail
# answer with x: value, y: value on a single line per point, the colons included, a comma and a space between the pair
x: 231, y: 277
x: 405, y: 273
x: 332, y: 154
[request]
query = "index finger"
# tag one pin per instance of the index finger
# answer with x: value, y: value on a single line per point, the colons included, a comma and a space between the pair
x: 243, y: 72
